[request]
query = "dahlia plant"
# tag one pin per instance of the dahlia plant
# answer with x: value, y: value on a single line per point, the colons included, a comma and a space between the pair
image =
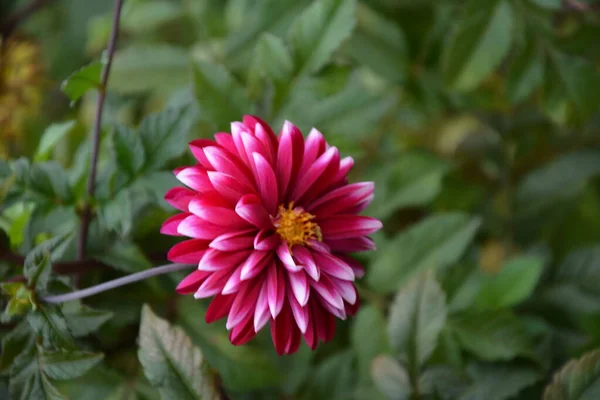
x: 272, y: 220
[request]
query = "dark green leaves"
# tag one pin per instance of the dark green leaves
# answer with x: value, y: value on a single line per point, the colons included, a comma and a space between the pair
x: 273, y: 58
x: 513, y: 284
x: 171, y: 361
x: 64, y: 365
x: 391, y: 378
x: 82, y: 80
x: 577, y: 380
x: 433, y: 243
x: 128, y: 150
x: 417, y: 316
x: 481, y: 40
x: 162, y: 136
x: 492, y: 336
x: 38, y: 263
x: 319, y: 31
x: 221, y: 98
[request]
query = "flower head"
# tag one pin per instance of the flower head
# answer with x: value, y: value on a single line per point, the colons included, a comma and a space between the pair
x: 271, y: 221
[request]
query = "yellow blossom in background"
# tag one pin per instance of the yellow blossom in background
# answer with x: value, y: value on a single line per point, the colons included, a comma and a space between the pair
x: 21, y: 82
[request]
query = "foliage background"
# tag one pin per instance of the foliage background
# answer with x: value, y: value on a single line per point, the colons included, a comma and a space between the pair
x: 478, y: 120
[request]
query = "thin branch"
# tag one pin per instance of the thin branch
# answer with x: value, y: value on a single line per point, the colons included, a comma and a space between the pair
x: 126, y: 280
x: 12, y: 21
x: 87, y: 213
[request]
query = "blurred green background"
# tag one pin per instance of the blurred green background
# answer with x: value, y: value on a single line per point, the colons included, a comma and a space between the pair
x: 478, y: 120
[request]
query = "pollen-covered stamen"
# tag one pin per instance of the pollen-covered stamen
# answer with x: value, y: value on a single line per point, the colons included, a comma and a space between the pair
x: 296, y: 226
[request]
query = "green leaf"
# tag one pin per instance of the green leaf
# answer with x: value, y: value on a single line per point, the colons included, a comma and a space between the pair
x: 319, y: 31
x: 50, y: 325
x: 574, y: 79
x: 556, y: 182
x: 163, y: 135
x: 221, y: 99
x: 143, y: 68
x: 48, y: 182
x: 434, y: 243
x: 499, y: 381
x: 142, y: 17
x: 550, y: 4
x: 64, y: 365
x: 18, y: 340
x: 82, y: 80
x: 170, y: 360
x: 577, y: 380
x: 125, y: 256
x: 128, y: 150
x: 492, y: 336
x: 526, y: 72
x: 379, y: 44
x: 481, y: 40
x: 28, y: 381
x: 331, y: 379
x: 414, y: 179
x: 83, y: 320
x: 51, y: 137
x: 273, y: 59
x: 582, y: 268
x: 369, y: 338
x: 443, y: 382
x: 417, y: 317
x: 37, y: 266
x: 391, y: 378
x: 513, y: 284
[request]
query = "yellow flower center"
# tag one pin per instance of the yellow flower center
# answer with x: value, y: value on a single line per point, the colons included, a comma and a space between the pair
x: 296, y: 226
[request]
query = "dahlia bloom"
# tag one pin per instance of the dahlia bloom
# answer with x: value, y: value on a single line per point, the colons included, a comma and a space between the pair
x: 271, y: 221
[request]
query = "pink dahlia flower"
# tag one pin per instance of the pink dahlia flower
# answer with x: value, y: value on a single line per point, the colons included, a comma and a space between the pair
x: 271, y: 221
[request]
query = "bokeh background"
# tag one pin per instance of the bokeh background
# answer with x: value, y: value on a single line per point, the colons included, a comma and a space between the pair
x: 478, y: 120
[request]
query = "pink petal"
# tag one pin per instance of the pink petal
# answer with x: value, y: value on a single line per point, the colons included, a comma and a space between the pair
x: 289, y: 156
x: 283, y: 252
x: 266, y: 239
x: 267, y: 142
x: 261, y: 313
x: 251, y: 209
x: 267, y: 182
x: 275, y: 289
x: 314, y: 146
x: 218, y: 308
x: 171, y: 225
x: 281, y: 329
x: 327, y: 161
x: 358, y: 269
x: 346, y: 290
x: 243, y: 332
x: 305, y: 258
x: 236, y: 133
x: 324, y: 321
x: 192, y: 282
x: 319, y: 246
x: 196, y: 228
x: 346, y: 165
x: 261, y: 128
x: 233, y: 241
x: 206, y: 209
x: 255, y: 263
x: 213, y: 284
x: 333, y: 266
x: 188, y: 251
x: 244, y: 303
x: 224, y: 162
x: 227, y: 186
x: 197, y: 147
x: 226, y: 141
x: 328, y: 292
x: 195, y: 178
x: 233, y: 283
x: 300, y: 287
x: 300, y: 313
x: 348, y: 226
x: 342, y: 198
x: 215, y: 260
x: 352, y: 245
x: 253, y: 145
x: 310, y: 336
x: 179, y: 197
x: 338, y: 312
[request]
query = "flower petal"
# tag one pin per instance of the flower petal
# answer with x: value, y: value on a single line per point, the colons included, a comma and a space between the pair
x: 215, y: 260
x: 227, y: 186
x: 284, y: 254
x: 255, y: 263
x: 261, y: 313
x: 289, y: 156
x: 266, y: 239
x: 195, y: 177
x: 171, y: 225
x: 213, y: 211
x: 348, y: 226
x: 192, y: 282
x: 325, y: 165
x: 188, y: 251
x: 267, y: 182
x: 197, y: 228
x: 300, y: 313
x: 306, y: 259
x: 342, y: 198
x: 300, y: 287
x: 219, y: 307
x: 352, y: 245
x: 333, y: 266
x: 180, y: 197
x: 251, y: 209
x: 275, y: 289
x: 244, y: 303
x: 233, y: 241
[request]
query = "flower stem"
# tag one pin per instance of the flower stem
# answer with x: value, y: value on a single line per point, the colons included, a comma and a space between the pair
x: 126, y: 280
x: 86, y: 214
